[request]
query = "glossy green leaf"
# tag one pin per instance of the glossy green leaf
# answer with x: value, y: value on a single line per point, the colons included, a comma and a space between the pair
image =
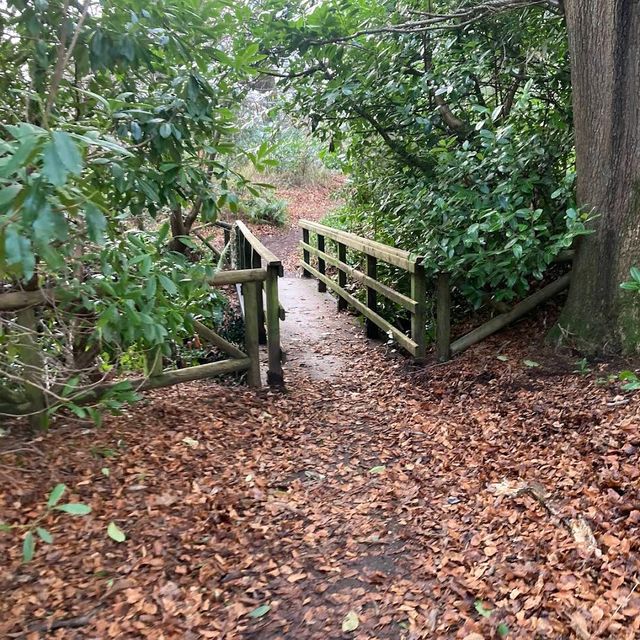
x: 44, y: 535
x: 75, y: 508
x: 260, y: 611
x: 28, y: 547
x: 115, y: 533
x: 7, y: 194
x: 61, y: 157
x: 96, y: 223
x: 18, y: 252
x: 55, y: 495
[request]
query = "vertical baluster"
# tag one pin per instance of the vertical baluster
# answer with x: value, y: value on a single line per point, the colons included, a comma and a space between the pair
x: 419, y: 317
x: 322, y: 267
x: 306, y: 258
x: 443, y: 317
x: 372, y: 296
x: 342, y: 276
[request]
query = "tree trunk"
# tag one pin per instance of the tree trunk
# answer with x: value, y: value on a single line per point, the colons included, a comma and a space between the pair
x: 176, y: 222
x: 604, y: 44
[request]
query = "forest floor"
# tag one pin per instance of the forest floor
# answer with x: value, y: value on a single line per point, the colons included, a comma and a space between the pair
x: 482, y: 498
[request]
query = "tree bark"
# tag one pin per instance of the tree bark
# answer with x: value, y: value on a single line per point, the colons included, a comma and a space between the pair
x: 604, y: 44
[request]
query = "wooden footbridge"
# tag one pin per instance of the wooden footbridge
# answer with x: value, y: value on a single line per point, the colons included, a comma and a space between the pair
x: 325, y: 248
x: 350, y: 266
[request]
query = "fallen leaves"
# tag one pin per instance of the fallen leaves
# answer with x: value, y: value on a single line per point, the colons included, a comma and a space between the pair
x: 115, y: 533
x: 351, y: 622
x: 378, y: 500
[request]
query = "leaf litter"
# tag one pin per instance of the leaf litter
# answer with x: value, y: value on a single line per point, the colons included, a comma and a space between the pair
x: 493, y: 484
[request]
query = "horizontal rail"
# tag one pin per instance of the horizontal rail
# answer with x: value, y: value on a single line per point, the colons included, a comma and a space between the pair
x: 266, y: 254
x: 208, y: 335
x: 504, y: 319
x: 15, y: 300
x: 169, y: 378
x: 238, y: 276
x: 404, y: 301
x: 403, y: 340
x: 397, y: 257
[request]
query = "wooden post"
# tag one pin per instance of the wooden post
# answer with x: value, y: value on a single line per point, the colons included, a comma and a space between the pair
x: 256, y: 263
x: 419, y: 317
x: 322, y: 287
x: 236, y: 260
x: 153, y: 362
x: 342, y: 276
x: 247, y: 253
x: 31, y: 356
x: 251, y: 341
x: 306, y: 258
x: 275, y: 376
x: 372, y: 297
x: 443, y: 318
x: 227, y: 241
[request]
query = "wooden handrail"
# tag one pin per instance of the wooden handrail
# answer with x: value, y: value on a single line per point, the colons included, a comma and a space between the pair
x: 238, y: 276
x: 265, y: 254
x: 404, y: 341
x: 397, y: 257
x: 374, y: 251
x: 416, y: 304
x: 252, y: 255
x: 504, y: 319
x: 404, y: 301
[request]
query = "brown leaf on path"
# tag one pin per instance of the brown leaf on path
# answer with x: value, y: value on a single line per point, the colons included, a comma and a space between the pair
x: 485, y: 467
x: 580, y: 626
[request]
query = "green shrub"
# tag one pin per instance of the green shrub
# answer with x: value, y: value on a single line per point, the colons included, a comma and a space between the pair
x: 266, y: 209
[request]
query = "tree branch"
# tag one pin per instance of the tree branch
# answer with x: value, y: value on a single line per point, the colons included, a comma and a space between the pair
x: 456, y: 20
x: 63, y: 57
x: 291, y: 76
x: 398, y: 149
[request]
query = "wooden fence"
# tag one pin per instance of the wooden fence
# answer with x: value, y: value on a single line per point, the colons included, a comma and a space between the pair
x: 416, y: 304
x: 247, y: 273
x: 250, y: 253
x: 374, y: 251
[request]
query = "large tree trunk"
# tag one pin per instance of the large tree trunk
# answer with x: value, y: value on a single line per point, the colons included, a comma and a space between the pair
x: 604, y: 44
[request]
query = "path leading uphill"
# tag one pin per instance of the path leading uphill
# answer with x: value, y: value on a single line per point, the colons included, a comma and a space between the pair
x: 370, y: 500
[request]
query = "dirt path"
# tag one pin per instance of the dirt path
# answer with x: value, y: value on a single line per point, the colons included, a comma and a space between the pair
x: 311, y: 203
x: 368, y: 493
x: 315, y: 338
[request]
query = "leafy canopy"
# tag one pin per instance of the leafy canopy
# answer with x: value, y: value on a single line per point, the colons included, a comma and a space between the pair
x: 459, y: 142
x: 117, y: 115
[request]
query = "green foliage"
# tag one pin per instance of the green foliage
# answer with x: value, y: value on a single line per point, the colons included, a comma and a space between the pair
x: 582, y: 367
x: 458, y: 143
x: 634, y: 283
x: 114, y: 120
x: 296, y: 158
x: 266, y: 209
x: 115, y: 533
x: 481, y: 609
x: 33, y: 530
x: 630, y: 379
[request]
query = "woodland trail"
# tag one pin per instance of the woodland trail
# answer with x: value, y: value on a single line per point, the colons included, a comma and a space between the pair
x: 365, y: 494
